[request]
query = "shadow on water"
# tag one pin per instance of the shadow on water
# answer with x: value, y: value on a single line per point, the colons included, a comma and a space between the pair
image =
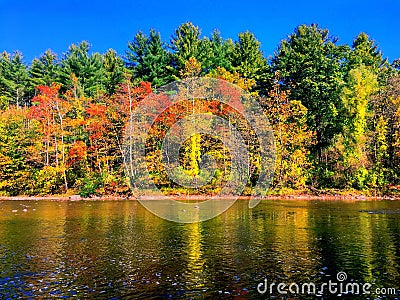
x: 118, y: 249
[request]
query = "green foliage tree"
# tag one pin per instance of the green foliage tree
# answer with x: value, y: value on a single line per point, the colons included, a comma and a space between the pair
x: 247, y: 57
x: 362, y: 84
x: 87, y: 69
x: 14, y: 80
x: 44, y: 71
x: 148, y: 59
x: 365, y: 52
x: 114, y: 71
x: 221, y: 53
x: 309, y: 64
x: 186, y: 43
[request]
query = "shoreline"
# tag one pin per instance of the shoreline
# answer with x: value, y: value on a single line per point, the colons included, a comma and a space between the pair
x: 200, y: 198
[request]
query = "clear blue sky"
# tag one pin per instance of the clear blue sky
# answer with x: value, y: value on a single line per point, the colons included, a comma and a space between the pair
x: 35, y: 26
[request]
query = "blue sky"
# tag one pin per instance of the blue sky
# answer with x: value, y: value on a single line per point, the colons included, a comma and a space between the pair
x: 35, y: 26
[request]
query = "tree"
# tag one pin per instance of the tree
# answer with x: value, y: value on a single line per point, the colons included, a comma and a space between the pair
x: 362, y: 84
x: 186, y: 43
x: 221, y: 51
x: 292, y: 139
x: 247, y: 58
x: 51, y: 110
x: 392, y: 94
x: 14, y: 80
x: 148, y: 58
x: 379, y: 174
x: 114, y: 71
x: 310, y: 67
x: 44, y: 71
x: 233, y: 77
x: 6, y: 84
x: 19, y: 152
x: 365, y: 52
x: 87, y: 69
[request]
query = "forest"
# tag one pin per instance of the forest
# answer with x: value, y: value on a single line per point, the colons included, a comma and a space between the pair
x: 334, y: 109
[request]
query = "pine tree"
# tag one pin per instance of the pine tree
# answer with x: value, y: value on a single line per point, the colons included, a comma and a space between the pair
x: 186, y: 43
x: 6, y: 84
x: 310, y: 67
x: 14, y: 80
x: 220, y: 53
x: 44, y: 71
x: 87, y: 69
x: 114, y: 71
x: 247, y: 57
x: 365, y: 52
x: 148, y: 58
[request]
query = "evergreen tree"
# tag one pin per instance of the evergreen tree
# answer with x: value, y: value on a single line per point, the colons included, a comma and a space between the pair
x: 220, y: 53
x: 148, y: 58
x: 247, y: 57
x: 365, y: 52
x: 5, y: 80
x: 310, y: 67
x: 44, y: 71
x: 186, y: 44
x: 87, y: 69
x: 14, y: 80
x: 114, y: 71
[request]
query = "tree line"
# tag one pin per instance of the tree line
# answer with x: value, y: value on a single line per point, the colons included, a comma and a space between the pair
x: 334, y: 108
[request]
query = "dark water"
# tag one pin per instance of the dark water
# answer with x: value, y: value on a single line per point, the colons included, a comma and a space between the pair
x: 119, y: 250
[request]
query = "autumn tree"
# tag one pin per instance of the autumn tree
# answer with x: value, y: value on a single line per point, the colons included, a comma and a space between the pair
x: 292, y: 139
x: 20, y: 147
x: 51, y: 110
x: 356, y: 97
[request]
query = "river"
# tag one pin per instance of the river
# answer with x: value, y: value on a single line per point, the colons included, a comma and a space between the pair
x: 117, y: 249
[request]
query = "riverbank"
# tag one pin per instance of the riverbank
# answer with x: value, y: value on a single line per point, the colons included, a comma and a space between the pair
x: 199, y: 198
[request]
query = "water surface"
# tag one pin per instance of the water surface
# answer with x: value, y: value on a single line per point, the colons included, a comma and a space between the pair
x: 118, y: 249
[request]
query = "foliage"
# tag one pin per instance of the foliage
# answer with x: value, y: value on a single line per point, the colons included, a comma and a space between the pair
x: 292, y: 139
x: 44, y: 71
x: 335, y: 111
x: 82, y: 71
x: 247, y: 58
x: 14, y: 80
x: 309, y: 63
x: 148, y: 58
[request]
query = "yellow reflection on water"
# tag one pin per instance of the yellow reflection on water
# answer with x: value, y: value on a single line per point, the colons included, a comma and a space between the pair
x: 195, y: 260
x: 292, y: 239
